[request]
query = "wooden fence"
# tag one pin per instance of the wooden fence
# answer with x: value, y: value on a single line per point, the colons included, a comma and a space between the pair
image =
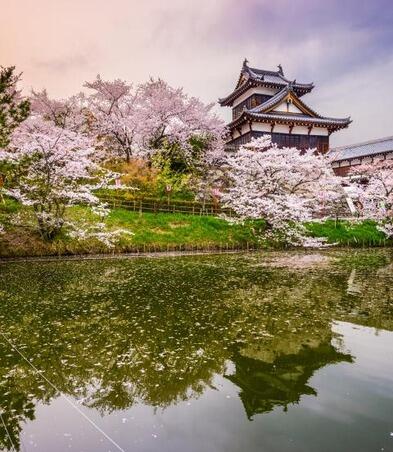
x: 157, y: 206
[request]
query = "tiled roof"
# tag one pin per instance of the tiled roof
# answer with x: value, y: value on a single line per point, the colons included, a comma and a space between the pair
x: 264, y: 113
x: 265, y: 78
x: 274, y: 77
x: 380, y: 146
x: 342, y: 122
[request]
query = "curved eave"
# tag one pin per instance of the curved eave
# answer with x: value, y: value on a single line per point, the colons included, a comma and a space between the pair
x: 228, y: 101
x: 331, y: 123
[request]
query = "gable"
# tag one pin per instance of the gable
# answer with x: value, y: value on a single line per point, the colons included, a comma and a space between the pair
x: 286, y: 107
x: 290, y: 103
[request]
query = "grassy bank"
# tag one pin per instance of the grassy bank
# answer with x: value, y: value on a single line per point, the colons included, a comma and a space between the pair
x: 166, y: 231
x: 150, y: 232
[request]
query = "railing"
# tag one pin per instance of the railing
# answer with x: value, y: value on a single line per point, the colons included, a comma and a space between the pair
x: 156, y: 206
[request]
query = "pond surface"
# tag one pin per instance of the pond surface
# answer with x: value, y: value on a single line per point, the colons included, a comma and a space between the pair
x: 256, y: 352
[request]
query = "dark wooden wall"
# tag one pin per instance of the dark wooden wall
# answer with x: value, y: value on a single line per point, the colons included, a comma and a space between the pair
x: 321, y: 143
x: 251, y: 102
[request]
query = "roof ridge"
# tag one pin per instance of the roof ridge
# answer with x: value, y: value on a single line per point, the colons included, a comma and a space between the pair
x: 363, y: 143
x: 256, y: 71
x: 265, y: 71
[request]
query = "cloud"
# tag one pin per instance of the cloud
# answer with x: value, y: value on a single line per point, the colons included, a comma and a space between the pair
x: 344, y: 46
x: 62, y: 64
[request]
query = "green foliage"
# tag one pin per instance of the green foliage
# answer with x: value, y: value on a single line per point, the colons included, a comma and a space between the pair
x: 13, y: 109
x: 171, y: 182
x: 155, y: 179
x: 9, y: 206
x: 136, y: 174
x: 347, y: 233
x: 178, y: 160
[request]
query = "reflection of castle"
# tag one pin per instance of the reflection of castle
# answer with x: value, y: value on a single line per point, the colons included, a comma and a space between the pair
x: 266, y: 385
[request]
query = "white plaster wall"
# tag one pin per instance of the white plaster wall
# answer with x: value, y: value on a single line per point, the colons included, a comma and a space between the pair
x: 281, y: 128
x: 256, y: 90
x: 300, y: 130
x: 261, y: 127
x: 320, y: 131
x: 291, y: 108
x: 303, y: 130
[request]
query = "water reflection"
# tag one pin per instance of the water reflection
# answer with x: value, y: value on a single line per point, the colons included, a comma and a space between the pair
x: 115, y: 334
x: 265, y: 385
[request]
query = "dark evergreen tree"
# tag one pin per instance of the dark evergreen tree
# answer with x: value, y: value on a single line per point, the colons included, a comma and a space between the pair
x: 13, y: 107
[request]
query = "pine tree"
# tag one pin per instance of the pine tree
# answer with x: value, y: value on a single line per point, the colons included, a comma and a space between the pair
x: 13, y: 107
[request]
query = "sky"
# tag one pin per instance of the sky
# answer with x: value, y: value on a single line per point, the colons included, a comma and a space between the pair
x: 344, y: 46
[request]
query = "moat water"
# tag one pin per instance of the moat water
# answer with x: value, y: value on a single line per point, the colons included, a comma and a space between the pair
x: 252, y: 352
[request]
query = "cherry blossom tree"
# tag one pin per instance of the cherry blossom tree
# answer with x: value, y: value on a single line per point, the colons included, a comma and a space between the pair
x: 115, y: 121
x: 284, y: 186
x: 375, y: 193
x: 172, y: 121
x: 152, y: 118
x: 70, y: 113
x: 51, y: 168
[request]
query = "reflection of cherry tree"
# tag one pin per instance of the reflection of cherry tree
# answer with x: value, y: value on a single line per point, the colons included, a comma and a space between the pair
x: 116, y: 333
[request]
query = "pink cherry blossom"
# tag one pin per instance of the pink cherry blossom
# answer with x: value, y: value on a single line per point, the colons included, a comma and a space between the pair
x: 53, y: 169
x: 374, y: 183
x: 283, y: 186
x: 113, y: 106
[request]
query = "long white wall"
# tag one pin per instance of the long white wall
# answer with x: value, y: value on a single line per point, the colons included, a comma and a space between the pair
x: 282, y: 128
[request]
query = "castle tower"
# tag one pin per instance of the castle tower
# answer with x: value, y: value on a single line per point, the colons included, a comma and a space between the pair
x: 267, y: 103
